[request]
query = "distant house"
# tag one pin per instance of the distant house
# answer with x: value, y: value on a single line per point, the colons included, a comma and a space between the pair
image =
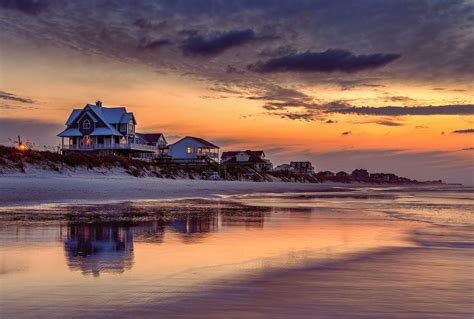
x: 105, y: 130
x: 254, y: 159
x: 193, y: 148
x: 342, y: 174
x: 302, y: 167
x: 328, y: 174
x: 384, y: 178
x: 285, y: 168
x: 156, y: 140
x: 360, y: 174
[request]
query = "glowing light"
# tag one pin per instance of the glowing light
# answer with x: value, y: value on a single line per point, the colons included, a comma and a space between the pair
x: 22, y: 147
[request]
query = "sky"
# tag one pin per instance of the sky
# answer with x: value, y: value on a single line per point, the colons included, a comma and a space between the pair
x: 382, y: 85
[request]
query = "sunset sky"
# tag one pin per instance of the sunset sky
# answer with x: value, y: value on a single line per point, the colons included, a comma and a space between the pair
x: 382, y: 85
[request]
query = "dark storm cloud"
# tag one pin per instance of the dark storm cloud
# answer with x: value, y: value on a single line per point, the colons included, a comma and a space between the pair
x: 466, y: 131
x: 332, y: 60
x: 154, y: 44
x: 466, y: 109
x: 197, y: 44
x: 31, y: 7
x: 15, y: 98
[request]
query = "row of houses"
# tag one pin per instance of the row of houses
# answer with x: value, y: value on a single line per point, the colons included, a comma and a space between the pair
x: 113, y: 130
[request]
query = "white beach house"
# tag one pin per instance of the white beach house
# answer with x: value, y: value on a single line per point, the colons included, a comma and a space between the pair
x: 193, y: 149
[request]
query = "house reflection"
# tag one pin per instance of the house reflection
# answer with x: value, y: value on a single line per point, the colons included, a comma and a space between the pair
x: 107, y: 247
x: 99, y: 248
x: 249, y: 220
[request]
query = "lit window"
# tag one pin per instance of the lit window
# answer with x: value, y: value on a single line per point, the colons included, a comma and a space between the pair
x: 190, y: 150
x: 86, y: 125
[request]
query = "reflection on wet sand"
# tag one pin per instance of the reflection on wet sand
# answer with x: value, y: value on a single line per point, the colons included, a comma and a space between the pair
x: 195, y: 258
x: 96, y: 248
x: 107, y: 247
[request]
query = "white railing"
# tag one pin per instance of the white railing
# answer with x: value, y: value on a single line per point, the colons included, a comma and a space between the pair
x: 110, y: 146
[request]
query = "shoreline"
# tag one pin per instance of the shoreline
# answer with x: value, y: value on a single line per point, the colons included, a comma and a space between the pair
x: 27, y: 190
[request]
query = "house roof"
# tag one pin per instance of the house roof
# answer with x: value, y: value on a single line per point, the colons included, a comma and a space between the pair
x: 105, y: 131
x: 199, y: 140
x: 70, y: 132
x: 109, y: 115
x: 249, y: 152
x: 73, y: 116
x: 252, y: 159
x: 151, y: 137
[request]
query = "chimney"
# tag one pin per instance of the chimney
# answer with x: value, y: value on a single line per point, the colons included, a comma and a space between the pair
x: 98, y: 103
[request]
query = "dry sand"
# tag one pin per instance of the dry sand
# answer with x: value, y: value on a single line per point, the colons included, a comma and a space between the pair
x: 21, y: 190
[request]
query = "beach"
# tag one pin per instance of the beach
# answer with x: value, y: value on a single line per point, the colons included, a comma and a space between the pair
x: 27, y: 189
x: 121, y: 247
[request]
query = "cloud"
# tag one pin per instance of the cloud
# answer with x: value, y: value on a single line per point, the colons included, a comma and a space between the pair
x: 295, y: 116
x: 389, y: 123
x: 351, y: 84
x: 154, y: 44
x: 332, y: 60
x: 466, y: 131
x: 31, y: 7
x: 147, y: 25
x: 15, y: 98
x: 463, y: 109
x: 399, y: 99
x: 197, y: 44
x: 278, y: 51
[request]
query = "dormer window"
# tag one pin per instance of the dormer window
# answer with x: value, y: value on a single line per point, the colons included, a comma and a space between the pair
x: 86, y: 124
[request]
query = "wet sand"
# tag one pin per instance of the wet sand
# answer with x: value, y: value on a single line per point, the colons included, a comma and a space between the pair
x: 397, y: 283
x: 428, y: 272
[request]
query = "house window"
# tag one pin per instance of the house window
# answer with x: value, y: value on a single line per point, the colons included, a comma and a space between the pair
x: 86, y: 125
x: 189, y: 150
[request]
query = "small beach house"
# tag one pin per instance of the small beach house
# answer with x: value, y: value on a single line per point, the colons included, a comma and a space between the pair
x: 254, y: 159
x: 303, y: 167
x: 192, y: 148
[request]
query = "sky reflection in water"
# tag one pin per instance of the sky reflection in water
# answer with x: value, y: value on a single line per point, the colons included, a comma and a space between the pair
x: 160, y: 252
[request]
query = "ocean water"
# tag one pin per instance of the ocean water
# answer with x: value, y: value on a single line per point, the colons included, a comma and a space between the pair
x: 85, y: 261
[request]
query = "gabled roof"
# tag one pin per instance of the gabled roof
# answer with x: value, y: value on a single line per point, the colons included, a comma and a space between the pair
x: 73, y: 116
x: 151, y: 137
x: 249, y: 152
x: 197, y: 139
x: 126, y: 117
x: 70, y: 132
x: 109, y: 115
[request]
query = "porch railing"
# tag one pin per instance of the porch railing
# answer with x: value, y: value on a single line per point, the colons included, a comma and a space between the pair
x: 110, y: 146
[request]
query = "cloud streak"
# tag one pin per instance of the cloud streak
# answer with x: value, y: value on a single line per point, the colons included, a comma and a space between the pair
x: 333, y: 60
x: 15, y: 98
x: 467, y: 131
x: 464, y: 109
x: 197, y: 44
